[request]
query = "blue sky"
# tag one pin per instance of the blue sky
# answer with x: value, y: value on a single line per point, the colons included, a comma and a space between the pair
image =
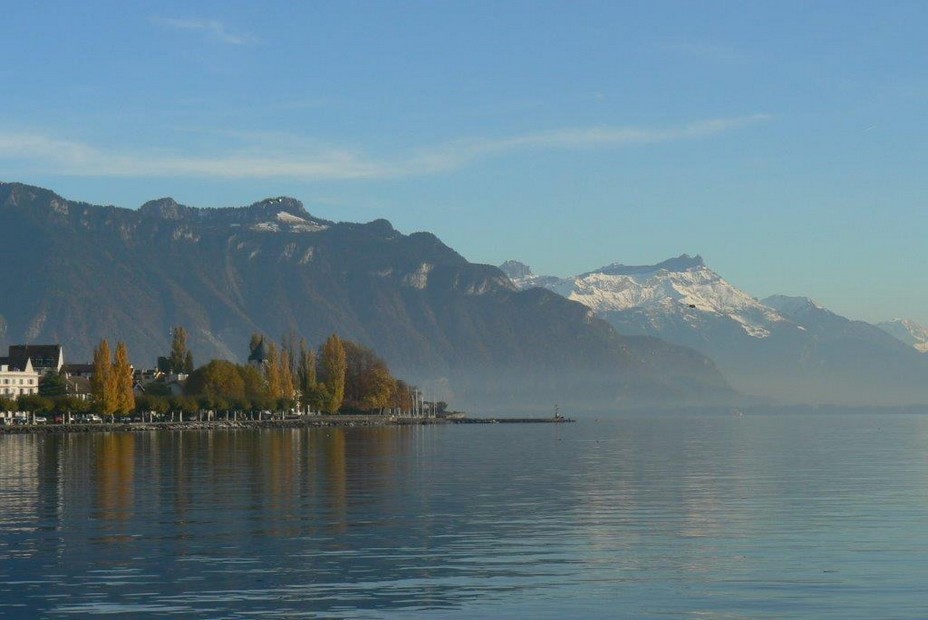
x: 785, y: 142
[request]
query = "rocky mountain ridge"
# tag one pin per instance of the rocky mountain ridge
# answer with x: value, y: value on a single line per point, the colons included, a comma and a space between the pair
x: 90, y: 272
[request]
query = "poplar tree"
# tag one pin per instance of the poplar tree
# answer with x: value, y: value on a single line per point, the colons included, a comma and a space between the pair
x: 286, y: 374
x: 102, y: 384
x: 122, y: 381
x: 272, y: 373
x: 334, y: 366
x: 179, y: 352
x: 306, y: 375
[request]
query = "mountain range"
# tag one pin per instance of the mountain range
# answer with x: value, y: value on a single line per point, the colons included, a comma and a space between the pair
x: 790, y: 349
x: 84, y: 272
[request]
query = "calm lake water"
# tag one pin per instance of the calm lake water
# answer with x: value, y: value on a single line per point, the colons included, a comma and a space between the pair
x: 703, y: 516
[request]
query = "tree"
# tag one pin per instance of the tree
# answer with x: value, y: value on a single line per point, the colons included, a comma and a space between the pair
x: 34, y: 403
x: 334, y: 366
x: 287, y: 389
x: 368, y: 382
x: 188, y: 362
x: 70, y: 404
x: 178, y: 359
x: 122, y: 377
x: 183, y: 404
x: 306, y: 375
x: 53, y: 385
x: 402, y: 397
x: 218, y: 383
x: 255, y: 393
x: 103, y: 384
x: 157, y: 388
x: 272, y: 373
x: 149, y: 402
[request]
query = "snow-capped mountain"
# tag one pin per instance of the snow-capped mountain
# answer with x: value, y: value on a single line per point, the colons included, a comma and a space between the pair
x: 908, y: 332
x: 681, y: 289
x: 788, y: 348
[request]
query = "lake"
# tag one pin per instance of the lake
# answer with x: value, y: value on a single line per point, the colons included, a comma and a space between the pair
x: 638, y: 516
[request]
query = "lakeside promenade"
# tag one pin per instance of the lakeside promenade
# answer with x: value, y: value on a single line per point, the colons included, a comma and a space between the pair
x: 315, y: 421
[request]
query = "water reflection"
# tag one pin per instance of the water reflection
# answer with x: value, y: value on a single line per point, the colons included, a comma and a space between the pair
x: 115, y: 460
x: 673, y: 517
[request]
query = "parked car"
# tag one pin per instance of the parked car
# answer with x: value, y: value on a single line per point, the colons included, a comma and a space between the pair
x: 91, y: 418
x: 40, y: 419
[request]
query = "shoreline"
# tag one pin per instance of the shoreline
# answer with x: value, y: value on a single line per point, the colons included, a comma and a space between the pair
x: 334, y: 421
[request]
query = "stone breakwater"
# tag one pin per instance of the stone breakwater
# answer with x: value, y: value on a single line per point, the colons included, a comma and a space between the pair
x: 323, y: 421
x: 201, y: 425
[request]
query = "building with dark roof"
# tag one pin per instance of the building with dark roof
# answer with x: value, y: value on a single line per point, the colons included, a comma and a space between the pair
x: 78, y: 370
x: 44, y: 357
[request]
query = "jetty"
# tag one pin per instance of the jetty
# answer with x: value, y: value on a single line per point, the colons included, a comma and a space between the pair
x: 558, y: 420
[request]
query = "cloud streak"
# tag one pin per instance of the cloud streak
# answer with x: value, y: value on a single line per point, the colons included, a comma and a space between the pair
x: 212, y: 28
x: 80, y: 159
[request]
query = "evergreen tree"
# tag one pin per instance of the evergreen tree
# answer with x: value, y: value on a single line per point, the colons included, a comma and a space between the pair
x: 334, y: 367
x: 53, y: 385
x: 122, y: 380
x: 188, y: 363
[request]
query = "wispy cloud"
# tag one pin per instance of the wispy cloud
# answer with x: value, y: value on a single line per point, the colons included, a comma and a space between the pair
x: 212, y: 28
x: 292, y: 161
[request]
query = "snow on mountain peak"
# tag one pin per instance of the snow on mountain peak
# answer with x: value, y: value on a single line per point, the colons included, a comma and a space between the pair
x: 298, y: 223
x: 681, y: 286
x: 792, y: 306
x: 286, y: 220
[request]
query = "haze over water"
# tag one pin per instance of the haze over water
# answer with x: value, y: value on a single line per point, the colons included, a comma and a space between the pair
x: 709, y: 516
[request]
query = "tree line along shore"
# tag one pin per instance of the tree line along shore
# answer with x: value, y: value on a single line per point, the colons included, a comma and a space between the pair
x: 281, y: 380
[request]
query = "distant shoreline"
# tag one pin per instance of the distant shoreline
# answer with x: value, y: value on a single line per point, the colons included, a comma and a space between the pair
x: 327, y: 421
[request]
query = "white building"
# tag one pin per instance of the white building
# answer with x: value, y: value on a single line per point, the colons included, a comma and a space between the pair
x: 15, y: 382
